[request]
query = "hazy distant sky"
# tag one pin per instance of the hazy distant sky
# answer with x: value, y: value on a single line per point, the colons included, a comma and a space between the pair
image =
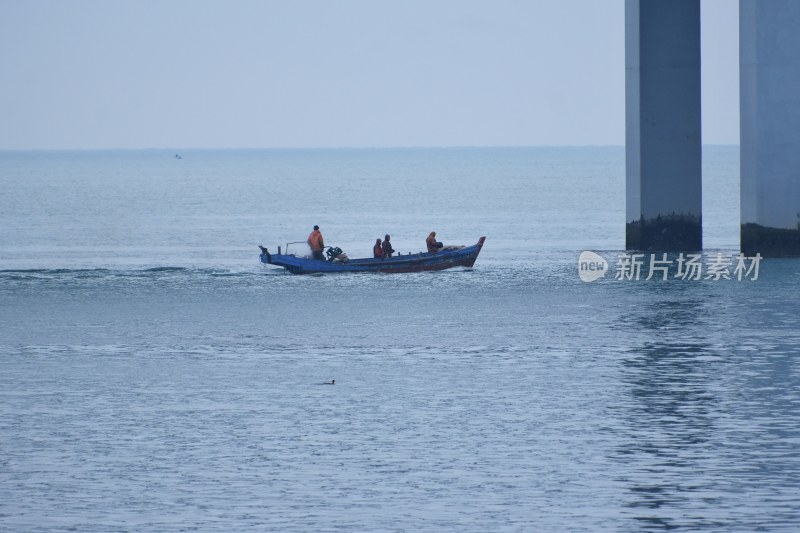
x: 227, y: 74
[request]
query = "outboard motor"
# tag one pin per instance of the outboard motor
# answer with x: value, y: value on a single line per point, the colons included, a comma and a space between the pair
x: 333, y: 253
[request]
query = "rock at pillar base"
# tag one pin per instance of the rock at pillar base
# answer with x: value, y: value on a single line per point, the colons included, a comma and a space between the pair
x: 672, y: 233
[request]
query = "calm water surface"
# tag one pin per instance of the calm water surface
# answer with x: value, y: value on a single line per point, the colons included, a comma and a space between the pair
x: 155, y: 377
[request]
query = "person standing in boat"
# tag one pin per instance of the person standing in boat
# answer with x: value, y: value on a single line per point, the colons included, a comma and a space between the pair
x: 377, y: 250
x: 387, y: 247
x: 432, y: 243
x: 316, y: 243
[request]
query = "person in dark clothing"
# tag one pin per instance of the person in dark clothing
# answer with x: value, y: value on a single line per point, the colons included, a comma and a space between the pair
x: 432, y: 244
x: 387, y: 247
x: 377, y: 250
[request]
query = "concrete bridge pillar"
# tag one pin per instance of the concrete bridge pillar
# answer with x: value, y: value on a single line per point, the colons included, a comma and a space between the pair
x: 769, y: 58
x: 663, y: 129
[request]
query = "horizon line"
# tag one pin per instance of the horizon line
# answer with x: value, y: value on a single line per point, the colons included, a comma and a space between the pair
x: 300, y: 148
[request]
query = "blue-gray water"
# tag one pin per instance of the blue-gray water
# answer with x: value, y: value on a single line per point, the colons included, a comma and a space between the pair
x: 155, y: 377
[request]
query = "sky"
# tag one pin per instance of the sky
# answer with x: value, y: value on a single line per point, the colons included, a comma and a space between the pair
x: 351, y: 73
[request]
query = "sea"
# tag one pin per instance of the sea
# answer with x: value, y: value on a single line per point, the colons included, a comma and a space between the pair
x: 154, y: 376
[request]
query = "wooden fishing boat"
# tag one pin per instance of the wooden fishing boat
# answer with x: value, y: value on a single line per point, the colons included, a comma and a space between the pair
x: 463, y: 256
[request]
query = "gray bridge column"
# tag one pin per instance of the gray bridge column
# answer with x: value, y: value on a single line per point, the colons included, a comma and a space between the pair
x: 769, y: 58
x: 662, y: 119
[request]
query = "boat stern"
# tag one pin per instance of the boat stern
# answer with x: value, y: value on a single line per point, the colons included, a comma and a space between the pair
x: 265, y: 256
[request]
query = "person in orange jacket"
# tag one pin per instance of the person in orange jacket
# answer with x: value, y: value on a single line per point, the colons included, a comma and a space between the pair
x: 377, y: 250
x: 317, y: 244
x: 433, y: 245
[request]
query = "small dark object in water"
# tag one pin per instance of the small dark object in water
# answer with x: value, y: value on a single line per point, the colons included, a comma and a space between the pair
x: 333, y: 382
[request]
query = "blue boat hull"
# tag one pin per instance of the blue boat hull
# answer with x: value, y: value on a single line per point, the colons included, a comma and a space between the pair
x: 463, y: 257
